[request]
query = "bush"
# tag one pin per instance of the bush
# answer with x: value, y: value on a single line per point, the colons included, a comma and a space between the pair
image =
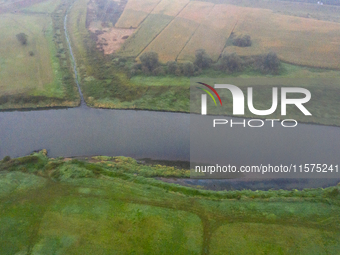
x: 178, y: 71
x: 146, y: 70
x: 269, y: 63
x: 242, y: 41
x: 136, y: 69
x: 6, y: 159
x: 202, y: 59
x: 230, y: 63
x: 158, y: 71
x: 188, y: 69
x: 149, y: 61
x: 31, y: 53
x: 172, y: 67
x: 22, y: 37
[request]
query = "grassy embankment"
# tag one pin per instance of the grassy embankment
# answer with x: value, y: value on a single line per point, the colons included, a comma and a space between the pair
x: 54, y: 206
x: 36, y: 74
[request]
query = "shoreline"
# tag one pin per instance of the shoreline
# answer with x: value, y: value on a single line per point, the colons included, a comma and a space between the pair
x: 43, y: 108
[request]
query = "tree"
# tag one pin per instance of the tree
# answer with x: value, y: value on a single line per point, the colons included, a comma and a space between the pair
x: 268, y: 63
x: 271, y: 62
x: 202, y: 59
x: 149, y: 61
x: 230, y: 63
x: 172, y: 67
x: 22, y: 37
x: 158, y: 71
x: 188, y: 69
x: 242, y: 41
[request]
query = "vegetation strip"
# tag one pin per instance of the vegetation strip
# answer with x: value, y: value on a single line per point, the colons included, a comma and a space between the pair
x: 55, y: 202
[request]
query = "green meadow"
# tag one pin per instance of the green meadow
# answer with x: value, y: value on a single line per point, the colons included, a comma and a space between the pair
x: 107, y: 205
x: 33, y: 74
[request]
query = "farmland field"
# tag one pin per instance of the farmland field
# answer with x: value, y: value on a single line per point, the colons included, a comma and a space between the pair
x: 46, y: 6
x: 135, y: 12
x: 170, y: 7
x: 173, y: 38
x: 19, y: 71
x: 147, y: 31
x: 292, y: 8
x: 131, y: 19
x: 296, y: 40
x: 216, y: 28
x: 34, y: 72
x: 154, y: 23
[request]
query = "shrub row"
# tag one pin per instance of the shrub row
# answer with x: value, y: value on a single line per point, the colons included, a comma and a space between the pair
x: 228, y: 63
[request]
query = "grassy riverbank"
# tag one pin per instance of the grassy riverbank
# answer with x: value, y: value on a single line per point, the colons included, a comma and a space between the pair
x: 108, y: 205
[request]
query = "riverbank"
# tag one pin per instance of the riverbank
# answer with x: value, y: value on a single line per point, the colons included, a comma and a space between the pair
x: 57, y: 205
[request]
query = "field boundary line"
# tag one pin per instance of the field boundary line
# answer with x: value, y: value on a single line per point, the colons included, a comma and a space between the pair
x: 148, y: 14
x: 200, y: 24
x: 20, y: 25
x: 162, y: 28
x: 225, y: 45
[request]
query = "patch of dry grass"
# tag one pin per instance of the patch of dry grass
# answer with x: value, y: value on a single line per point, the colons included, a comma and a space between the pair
x: 135, y: 12
x: 213, y: 33
x: 296, y: 40
x: 148, y: 30
x: 170, y: 7
x: 169, y: 43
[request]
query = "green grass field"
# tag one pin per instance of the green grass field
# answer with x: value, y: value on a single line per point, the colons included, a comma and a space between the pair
x: 32, y: 75
x: 47, y: 6
x: 55, y: 206
x: 19, y: 70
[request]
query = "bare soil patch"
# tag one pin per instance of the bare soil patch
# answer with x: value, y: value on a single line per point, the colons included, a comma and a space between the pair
x: 111, y: 39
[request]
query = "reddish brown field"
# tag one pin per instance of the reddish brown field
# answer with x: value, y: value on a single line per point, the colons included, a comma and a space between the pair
x: 112, y: 39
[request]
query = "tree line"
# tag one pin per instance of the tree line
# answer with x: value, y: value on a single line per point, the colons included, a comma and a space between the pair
x: 228, y: 63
